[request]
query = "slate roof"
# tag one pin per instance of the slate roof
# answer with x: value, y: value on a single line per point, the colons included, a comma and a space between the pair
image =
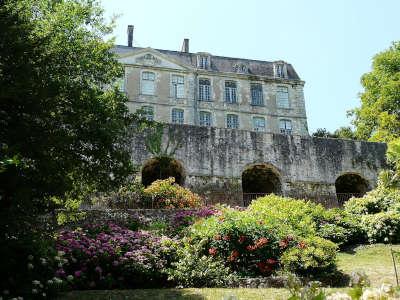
x: 218, y: 63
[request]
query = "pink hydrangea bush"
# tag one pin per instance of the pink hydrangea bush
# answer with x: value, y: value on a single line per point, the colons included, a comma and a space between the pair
x: 110, y: 256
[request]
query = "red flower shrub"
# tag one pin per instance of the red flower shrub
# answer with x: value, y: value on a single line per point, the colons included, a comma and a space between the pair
x: 235, y: 254
x: 241, y: 239
x: 212, y: 251
x: 302, y: 245
x: 226, y: 238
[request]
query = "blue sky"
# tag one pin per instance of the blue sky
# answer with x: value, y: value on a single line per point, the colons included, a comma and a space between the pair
x: 329, y: 43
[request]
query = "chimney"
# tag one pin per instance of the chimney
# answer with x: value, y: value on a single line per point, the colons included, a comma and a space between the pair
x: 130, y: 35
x: 185, y: 46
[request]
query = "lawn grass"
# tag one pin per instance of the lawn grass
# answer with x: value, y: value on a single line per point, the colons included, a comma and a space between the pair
x: 374, y: 260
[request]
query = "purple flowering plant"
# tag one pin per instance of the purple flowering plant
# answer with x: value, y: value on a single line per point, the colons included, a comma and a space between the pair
x: 185, y: 218
x: 111, y: 256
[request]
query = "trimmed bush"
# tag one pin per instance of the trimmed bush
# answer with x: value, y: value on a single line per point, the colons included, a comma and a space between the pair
x: 166, y: 194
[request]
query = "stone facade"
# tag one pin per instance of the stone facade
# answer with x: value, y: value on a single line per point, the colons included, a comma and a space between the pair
x: 279, y: 99
x: 214, y: 159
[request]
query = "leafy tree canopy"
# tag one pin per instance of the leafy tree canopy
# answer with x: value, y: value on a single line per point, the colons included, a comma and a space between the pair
x: 378, y: 118
x: 341, y: 133
x: 63, y: 123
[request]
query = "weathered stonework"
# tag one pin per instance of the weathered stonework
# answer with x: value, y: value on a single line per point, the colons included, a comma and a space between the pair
x: 215, y: 158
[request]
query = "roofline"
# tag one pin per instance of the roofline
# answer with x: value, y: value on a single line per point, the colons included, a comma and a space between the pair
x: 195, y: 53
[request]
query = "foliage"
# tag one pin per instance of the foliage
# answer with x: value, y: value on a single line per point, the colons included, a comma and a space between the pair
x: 308, y: 218
x: 378, y: 117
x: 341, y: 133
x: 253, y: 241
x: 312, y: 291
x: 185, y: 218
x: 340, y: 227
x: 193, y: 269
x: 375, y: 201
x: 110, y: 256
x: 163, y: 155
x: 128, y: 195
x: 382, y: 227
x: 59, y: 111
x: 30, y: 266
x: 310, y: 256
x: 166, y: 194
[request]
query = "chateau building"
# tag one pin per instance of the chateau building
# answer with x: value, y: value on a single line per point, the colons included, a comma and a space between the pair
x: 201, y: 89
x: 243, y: 126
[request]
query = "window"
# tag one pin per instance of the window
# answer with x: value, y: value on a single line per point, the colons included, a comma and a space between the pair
x: 230, y: 92
x: 204, y: 90
x: 178, y: 86
x: 148, y: 113
x: 282, y: 97
x: 202, y: 62
x: 177, y: 116
x: 232, y: 121
x: 121, y: 84
x: 256, y: 94
x: 148, y: 83
x: 285, y: 126
x: 259, y: 124
x: 279, y: 71
x: 205, y: 118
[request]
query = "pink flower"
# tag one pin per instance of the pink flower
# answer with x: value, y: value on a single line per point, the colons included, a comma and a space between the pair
x: 78, y: 273
x: 212, y: 251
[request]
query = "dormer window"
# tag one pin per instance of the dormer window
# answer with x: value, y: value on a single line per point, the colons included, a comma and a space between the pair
x: 280, y: 70
x: 203, y: 62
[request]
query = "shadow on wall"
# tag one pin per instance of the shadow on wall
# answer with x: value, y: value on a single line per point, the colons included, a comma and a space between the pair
x: 162, y: 168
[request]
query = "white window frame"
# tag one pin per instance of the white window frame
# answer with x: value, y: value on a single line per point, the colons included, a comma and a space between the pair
x: 256, y: 126
x: 230, y: 124
x: 177, y: 119
x: 203, y: 62
x: 282, y: 97
x: 144, y: 89
x: 260, y: 100
x: 204, y: 122
x: 230, y: 92
x: 148, y: 112
x: 203, y: 92
x: 177, y: 86
x: 285, y: 126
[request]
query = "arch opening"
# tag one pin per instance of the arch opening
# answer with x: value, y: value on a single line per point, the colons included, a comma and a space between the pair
x: 349, y: 185
x: 162, y: 168
x: 261, y: 179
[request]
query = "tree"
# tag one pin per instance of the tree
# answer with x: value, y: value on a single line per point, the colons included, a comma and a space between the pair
x: 378, y: 118
x: 341, y: 133
x: 64, y: 126
x: 59, y: 111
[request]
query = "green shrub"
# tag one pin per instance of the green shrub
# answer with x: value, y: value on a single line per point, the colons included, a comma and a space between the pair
x: 308, y: 219
x: 252, y: 241
x: 166, y: 194
x: 375, y: 201
x: 310, y: 256
x: 193, y: 269
x: 340, y: 227
x: 298, y: 215
x: 382, y: 227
